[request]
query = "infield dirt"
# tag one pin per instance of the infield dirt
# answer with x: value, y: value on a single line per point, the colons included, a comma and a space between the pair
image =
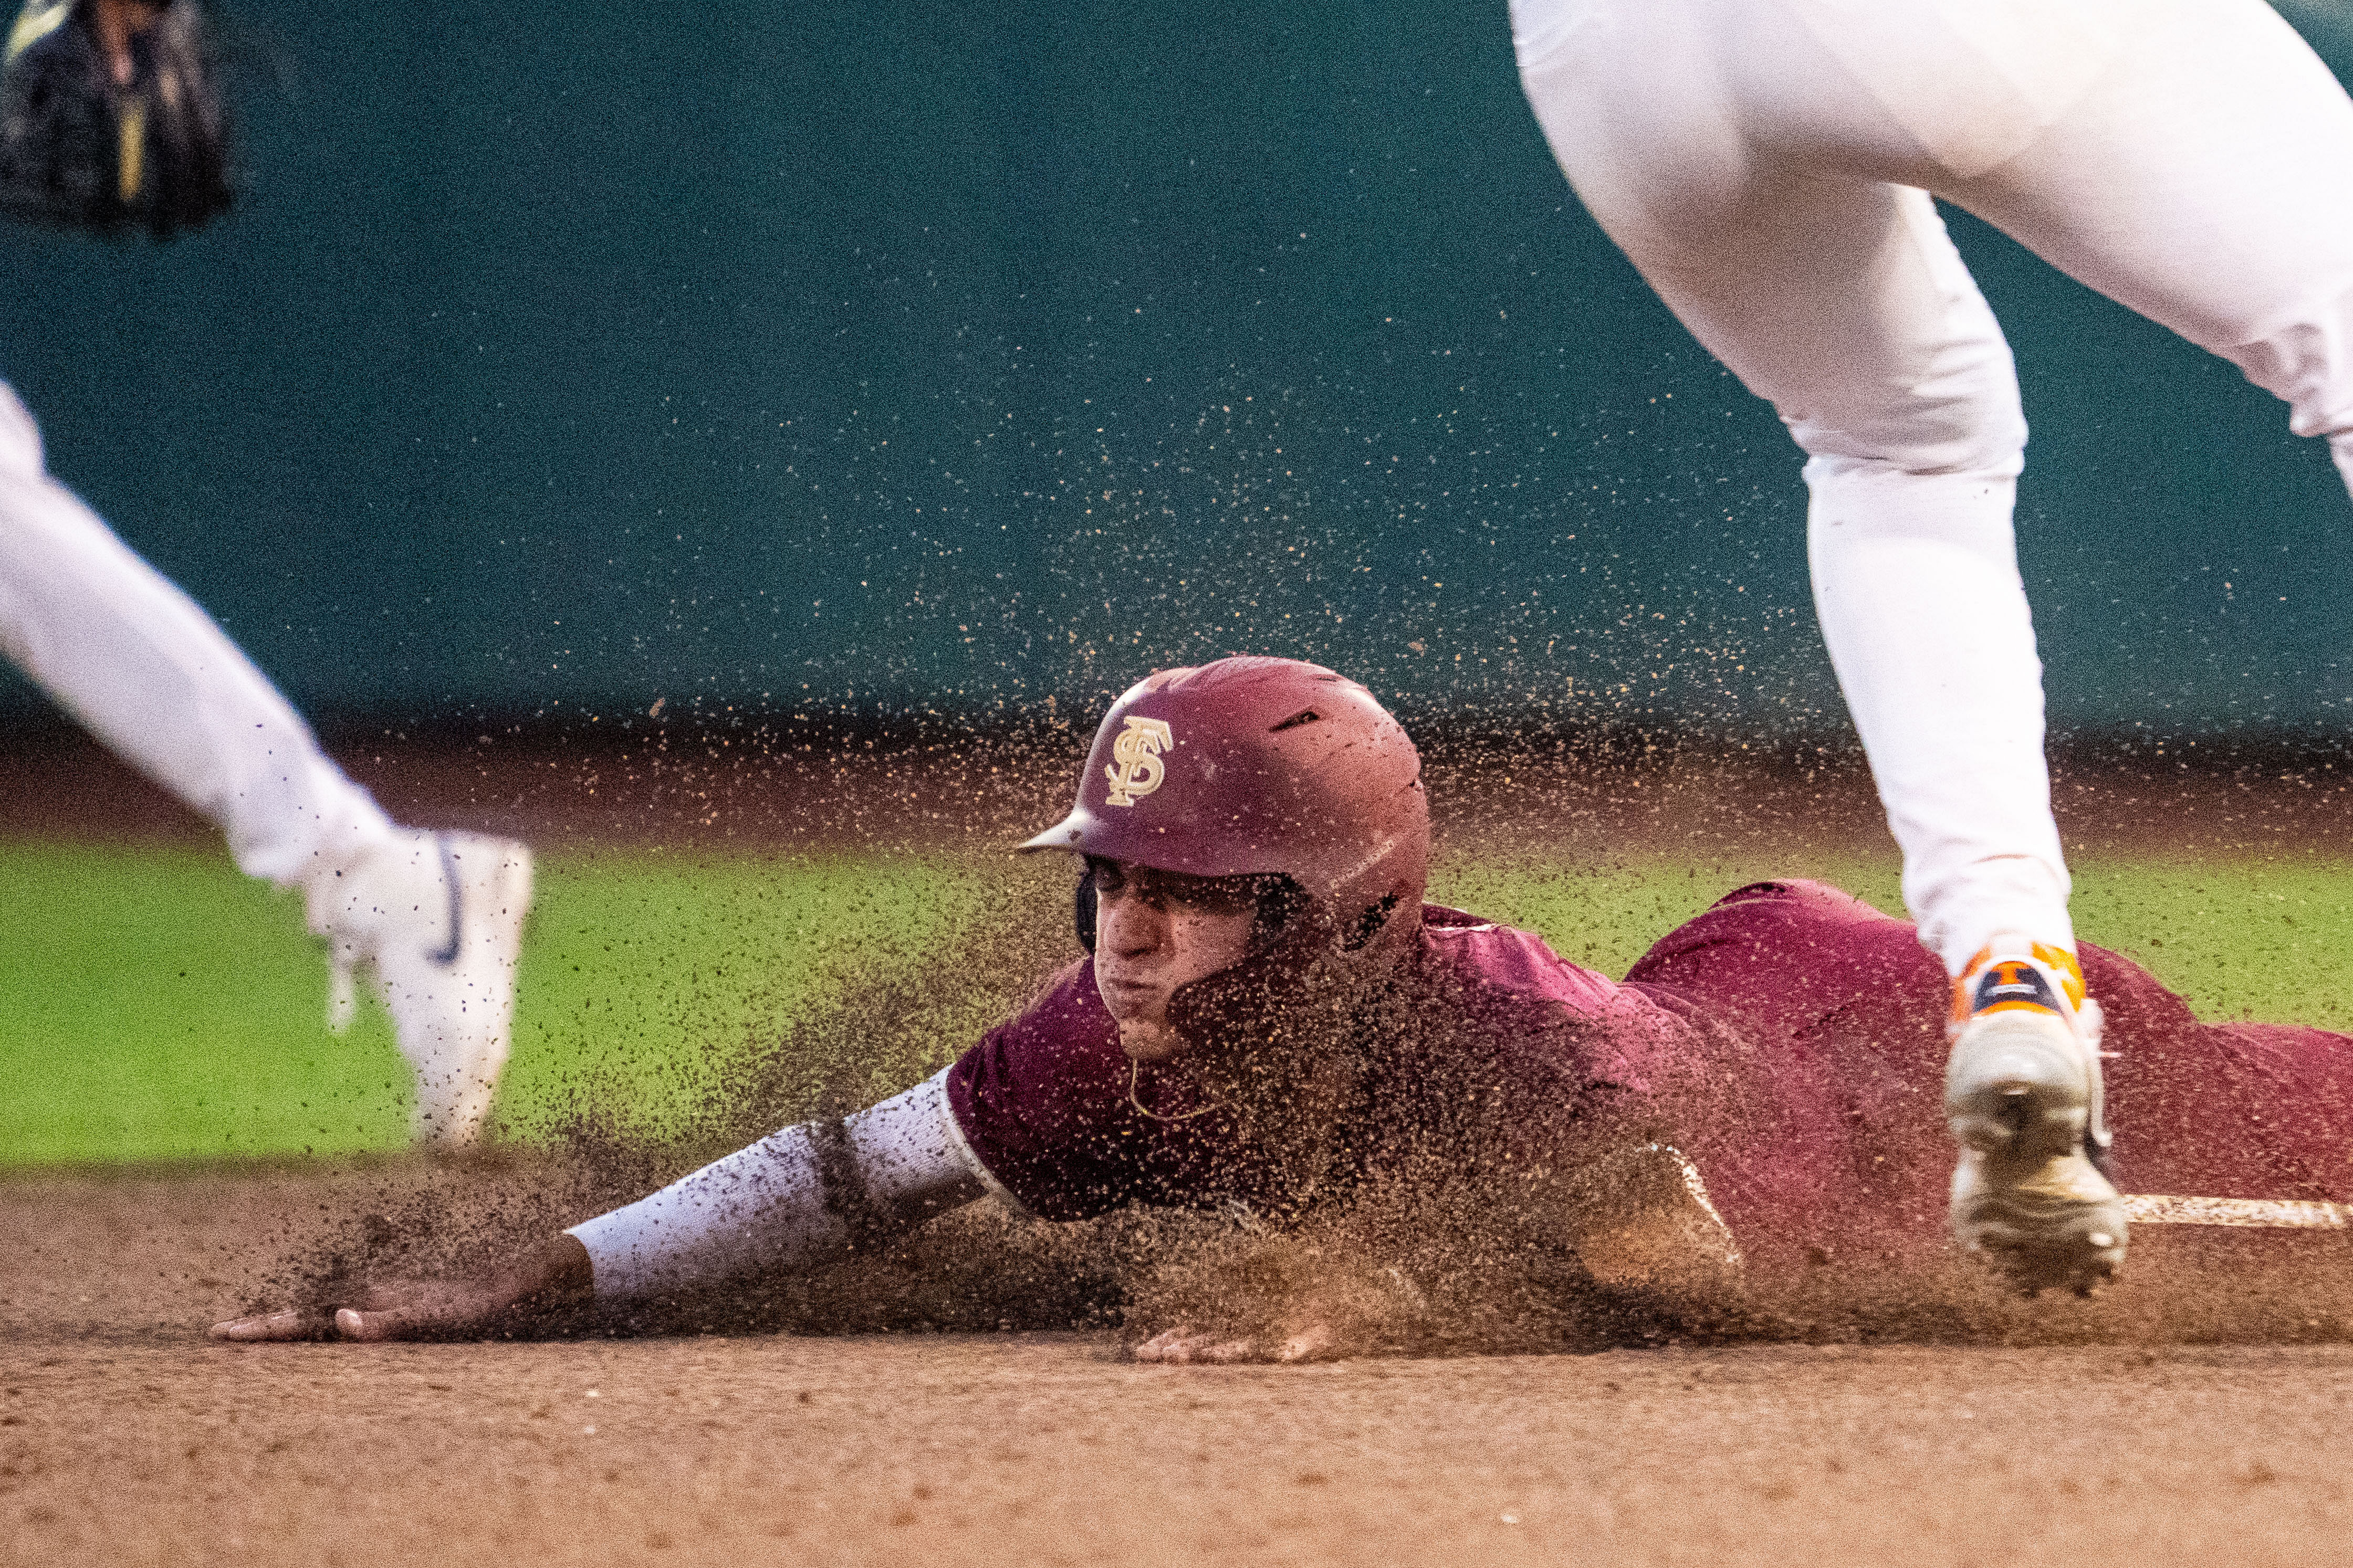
x: 125, y: 1437
x: 2199, y: 1411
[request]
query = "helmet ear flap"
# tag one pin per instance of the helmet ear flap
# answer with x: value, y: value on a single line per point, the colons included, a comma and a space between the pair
x: 1368, y: 922
x: 1082, y: 909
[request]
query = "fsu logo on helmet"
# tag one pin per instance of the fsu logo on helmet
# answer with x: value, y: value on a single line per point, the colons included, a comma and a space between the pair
x: 1136, y: 769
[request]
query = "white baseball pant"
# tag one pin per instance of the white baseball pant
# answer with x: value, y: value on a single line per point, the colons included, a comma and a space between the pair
x: 1767, y: 165
x: 153, y: 677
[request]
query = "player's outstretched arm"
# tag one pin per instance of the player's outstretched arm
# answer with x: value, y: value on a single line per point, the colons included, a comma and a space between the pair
x: 797, y: 1197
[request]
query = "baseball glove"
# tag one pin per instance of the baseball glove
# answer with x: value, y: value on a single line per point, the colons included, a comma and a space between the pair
x: 83, y: 146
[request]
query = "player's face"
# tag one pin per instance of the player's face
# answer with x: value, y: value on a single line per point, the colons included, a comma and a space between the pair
x: 1156, y: 931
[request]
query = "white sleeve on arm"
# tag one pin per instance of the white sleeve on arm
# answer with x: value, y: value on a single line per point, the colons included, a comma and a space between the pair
x: 768, y: 1204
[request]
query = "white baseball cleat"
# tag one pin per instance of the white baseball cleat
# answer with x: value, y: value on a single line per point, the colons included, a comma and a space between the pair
x: 438, y: 918
x: 2023, y: 1097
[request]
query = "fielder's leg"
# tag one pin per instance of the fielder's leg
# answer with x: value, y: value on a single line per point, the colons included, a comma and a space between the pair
x: 2199, y: 177
x: 1757, y: 183
x: 2201, y: 180
x: 438, y: 918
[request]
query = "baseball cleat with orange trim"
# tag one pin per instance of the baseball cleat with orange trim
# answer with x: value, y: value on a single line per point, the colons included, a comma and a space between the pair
x: 2023, y: 1098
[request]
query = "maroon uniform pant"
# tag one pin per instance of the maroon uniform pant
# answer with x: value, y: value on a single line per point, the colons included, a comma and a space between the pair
x: 1824, y: 1029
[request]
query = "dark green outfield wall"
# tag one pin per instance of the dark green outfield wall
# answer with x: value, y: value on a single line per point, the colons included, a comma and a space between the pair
x: 958, y: 355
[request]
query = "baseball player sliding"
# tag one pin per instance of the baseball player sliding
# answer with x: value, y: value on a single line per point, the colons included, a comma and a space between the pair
x: 1768, y: 165
x: 1269, y: 1019
x: 110, y: 121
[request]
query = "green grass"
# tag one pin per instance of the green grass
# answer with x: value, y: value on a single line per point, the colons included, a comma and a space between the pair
x: 2270, y: 940
x: 154, y: 1004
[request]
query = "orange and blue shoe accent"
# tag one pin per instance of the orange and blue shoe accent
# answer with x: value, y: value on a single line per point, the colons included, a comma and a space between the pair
x: 2024, y: 1098
x: 2041, y: 979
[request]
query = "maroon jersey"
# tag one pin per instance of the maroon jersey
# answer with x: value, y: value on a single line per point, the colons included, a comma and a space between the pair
x: 1792, y: 1040
x: 1052, y: 1107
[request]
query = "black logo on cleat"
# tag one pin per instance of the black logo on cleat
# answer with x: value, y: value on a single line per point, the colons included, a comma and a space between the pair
x: 2017, y: 982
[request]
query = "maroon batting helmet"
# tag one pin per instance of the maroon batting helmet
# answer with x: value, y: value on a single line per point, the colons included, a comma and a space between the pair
x: 1253, y: 766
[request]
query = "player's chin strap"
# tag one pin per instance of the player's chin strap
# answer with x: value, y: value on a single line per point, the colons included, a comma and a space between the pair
x: 1136, y: 1081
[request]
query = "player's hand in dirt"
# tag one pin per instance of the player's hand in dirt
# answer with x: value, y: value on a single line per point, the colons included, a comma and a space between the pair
x: 555, y: 1274
x: 1189, y: 1347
